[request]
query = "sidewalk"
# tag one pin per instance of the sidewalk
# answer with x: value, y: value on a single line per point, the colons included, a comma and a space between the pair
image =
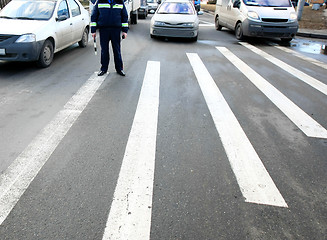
x: 302, y: 32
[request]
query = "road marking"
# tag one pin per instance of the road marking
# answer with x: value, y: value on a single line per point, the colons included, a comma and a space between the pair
x: 206, y: 24
x: 295, y: 72
x: 255, y: 183
x: 299, y: 55
x: 130, y: 213
x: 16, y: 179
x: 302, y: 120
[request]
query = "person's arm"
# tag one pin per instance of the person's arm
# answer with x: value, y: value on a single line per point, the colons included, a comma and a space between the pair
x: 124, y: 21
x: 94, y: 19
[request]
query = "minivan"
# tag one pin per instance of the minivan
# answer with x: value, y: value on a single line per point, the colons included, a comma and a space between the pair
x: 257, y: 18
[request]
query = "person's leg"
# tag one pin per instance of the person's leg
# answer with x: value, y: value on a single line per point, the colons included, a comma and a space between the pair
x: 104, y: 42
x: 115, y: 43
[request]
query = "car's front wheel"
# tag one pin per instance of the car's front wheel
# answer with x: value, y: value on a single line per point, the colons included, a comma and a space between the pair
x: 85, y: 39
x: 217, y: 25
x: 239, y: 31
x: 46, y: 54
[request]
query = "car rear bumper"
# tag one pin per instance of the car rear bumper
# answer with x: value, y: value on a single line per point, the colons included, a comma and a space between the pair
x: 269, y: 30
x: 174, y: 32
x: 20, y: 51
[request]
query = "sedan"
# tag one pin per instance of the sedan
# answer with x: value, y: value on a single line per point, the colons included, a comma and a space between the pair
x: 35, y: 30
x: 175, y: 18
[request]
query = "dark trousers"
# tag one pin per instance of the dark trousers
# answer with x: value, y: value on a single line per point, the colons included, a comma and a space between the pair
x: 113, y: 35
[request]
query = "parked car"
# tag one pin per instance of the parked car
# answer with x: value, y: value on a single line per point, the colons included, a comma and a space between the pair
x: 175, y: 18
x: 35, y: 30
x: 257, y: 18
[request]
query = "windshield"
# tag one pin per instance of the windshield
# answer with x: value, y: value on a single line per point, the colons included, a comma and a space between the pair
x: 268, y: 3
x: 176, y: 8
x: 31, y: 10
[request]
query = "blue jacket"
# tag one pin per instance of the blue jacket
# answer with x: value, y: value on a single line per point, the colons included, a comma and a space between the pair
x: 107, y: 15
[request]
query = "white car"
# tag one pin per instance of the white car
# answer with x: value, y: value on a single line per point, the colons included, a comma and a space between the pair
x: 175, y: 18
x: 35, y: 30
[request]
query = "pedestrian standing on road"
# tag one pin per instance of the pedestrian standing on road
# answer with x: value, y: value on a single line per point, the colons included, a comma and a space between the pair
x: 110, y: 17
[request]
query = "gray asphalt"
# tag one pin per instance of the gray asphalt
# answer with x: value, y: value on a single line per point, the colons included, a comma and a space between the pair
x: 196, y: 194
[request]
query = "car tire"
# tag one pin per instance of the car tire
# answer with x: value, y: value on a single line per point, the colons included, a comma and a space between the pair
x: 239, y: 32
x: 46, y: 54
x: 217, y: 25
x: 286, y: 40
x: 85, y: 39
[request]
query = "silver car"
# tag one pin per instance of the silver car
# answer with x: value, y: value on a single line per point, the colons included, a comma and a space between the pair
x: 175, y: 18
x: 35, y: 30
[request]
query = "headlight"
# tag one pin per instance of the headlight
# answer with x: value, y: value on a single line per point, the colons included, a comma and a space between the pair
x: 26, y: 38
x: 188, y: 24
x: 253, y: 15
x: 159, y: 24
x: 293, y: 16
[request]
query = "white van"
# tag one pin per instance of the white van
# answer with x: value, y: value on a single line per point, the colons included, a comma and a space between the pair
x: 257, y: 18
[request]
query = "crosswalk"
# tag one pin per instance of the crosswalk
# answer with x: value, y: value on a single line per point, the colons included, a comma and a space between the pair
x: 130, y: 213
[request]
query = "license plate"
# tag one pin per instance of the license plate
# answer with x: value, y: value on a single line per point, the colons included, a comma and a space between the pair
x: 2, y: 51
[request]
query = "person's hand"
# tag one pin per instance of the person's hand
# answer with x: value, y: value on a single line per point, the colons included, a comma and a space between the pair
x: 94, y: 35
x: 124, y: 35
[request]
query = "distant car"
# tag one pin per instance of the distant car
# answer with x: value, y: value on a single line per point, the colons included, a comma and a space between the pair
x: 175, y: 18
x: 143, y: 10
x: 152, y: 5
x: 35, y: 30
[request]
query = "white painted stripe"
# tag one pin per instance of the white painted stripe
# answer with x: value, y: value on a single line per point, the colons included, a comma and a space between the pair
x: 16, y: 179
x: 299, y: 55
x: 206, y: 24
x: 302, y: 120
x: 295, y: 72
x: 255, y: 183
x: 130, y: 213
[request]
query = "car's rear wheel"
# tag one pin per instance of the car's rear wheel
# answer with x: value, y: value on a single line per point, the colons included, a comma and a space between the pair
x: 85, y: 39
x: 239, y: 32
x: 46, y: 54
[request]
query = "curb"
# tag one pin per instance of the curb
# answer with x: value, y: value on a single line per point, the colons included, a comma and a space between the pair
x: 311, y: 35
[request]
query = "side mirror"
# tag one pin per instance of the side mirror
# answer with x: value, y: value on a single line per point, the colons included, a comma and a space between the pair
x: 61, y: 18
x: 159, y: 2
x: 237, y: 4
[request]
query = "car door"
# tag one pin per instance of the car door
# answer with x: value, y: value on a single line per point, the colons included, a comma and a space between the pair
x: 77, y: 19
x: 233, y: 14
x: 64, y: 26
x: 223, y: 5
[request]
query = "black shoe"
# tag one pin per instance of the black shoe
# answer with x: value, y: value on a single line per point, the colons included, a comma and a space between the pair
x: 121, y: 73
x: 101, y: 73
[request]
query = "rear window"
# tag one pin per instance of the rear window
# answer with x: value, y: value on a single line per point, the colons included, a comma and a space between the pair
x: 268, y: 3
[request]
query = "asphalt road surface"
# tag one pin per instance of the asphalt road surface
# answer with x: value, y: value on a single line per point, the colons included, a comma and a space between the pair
x: 214, y: 139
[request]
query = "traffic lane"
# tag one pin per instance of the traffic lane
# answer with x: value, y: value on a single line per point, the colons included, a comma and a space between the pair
x: 274, y: 127
x: 31, y: 97
x: 285, y: 150
x: 72, y: 194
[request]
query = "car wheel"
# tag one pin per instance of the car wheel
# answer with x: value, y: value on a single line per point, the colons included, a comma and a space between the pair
x: 239, y: 32
x: 286, y: 40
x: 46, y: 54
x: 85, y: 39
x: 217, y: 25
